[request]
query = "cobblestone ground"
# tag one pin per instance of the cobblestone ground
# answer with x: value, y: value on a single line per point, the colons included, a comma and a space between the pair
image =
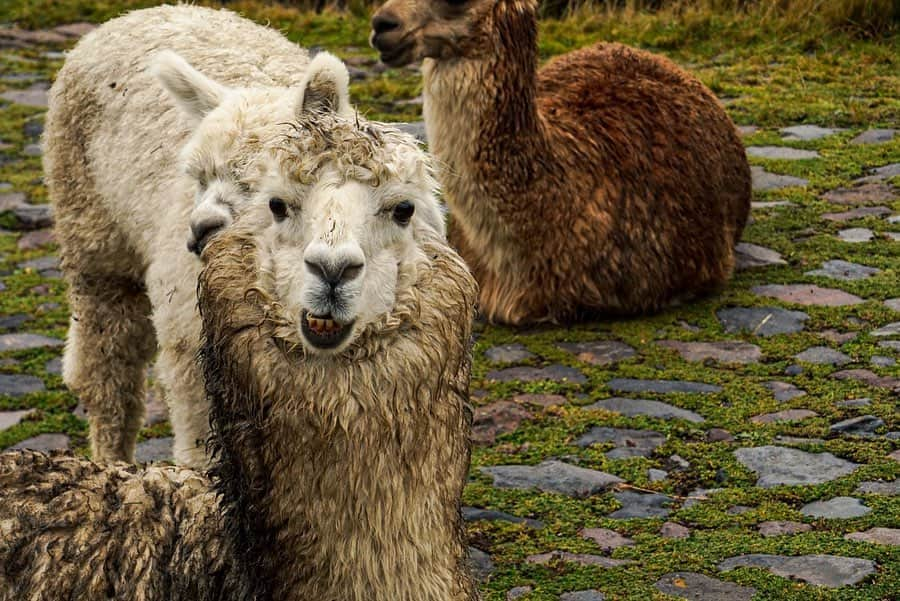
x: 743, y: 447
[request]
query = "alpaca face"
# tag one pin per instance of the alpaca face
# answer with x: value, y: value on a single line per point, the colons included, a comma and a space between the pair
x: 340, y: 204
x: 405, y: 31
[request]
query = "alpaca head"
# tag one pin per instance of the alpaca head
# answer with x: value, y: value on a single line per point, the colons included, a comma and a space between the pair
x: 405, y: 31
x: 338, y: 206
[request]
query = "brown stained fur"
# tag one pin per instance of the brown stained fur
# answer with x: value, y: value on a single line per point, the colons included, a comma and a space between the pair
x: 338, y: 478
x: 608, y: 182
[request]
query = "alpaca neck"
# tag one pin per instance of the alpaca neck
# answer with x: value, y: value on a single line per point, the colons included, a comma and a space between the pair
x: 484, y: 125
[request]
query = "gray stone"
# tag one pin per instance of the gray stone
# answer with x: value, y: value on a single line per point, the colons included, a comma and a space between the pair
x: 25, y: 341
x: 747, y: 130
x: 876, y: 487
x: 793, y: 370
x: 11, y: 200
x: 864, y: 402
x: 893, y: 219
x: 543, y: 401
x: 633, y: 407
x: 820, y: 570
x: 32, y: 150
x: 796, y: 133
x: 878, y: 536
x: 868, y: 378
x: 628, y: 443
x: 782, y: 528
x: 41, y: 263
x: 673, y: 530
x: 54, y: 366
x: 857, y: 213
x: 552, y: 476
x: 788, y: 415
x: 655, y: 475
x: 891, y: 329
x: 606, y: 539
x: 16, y: 385
x: 749, y: 256
x: 893, y: 345
x: 34, y: 217
x: 844, y: 270
x: 763, y: 181
x: 893, y: 304
x: 641, y: 505
x: 880, y: 174
x: 480, y: 563
x: 822, y: 355
x: 35, y: 95
x: 719, y: 435
x: 784, y: 391
x: 600, y: 352
x: 154, y: 449
x: 12, y: 322
x: 8, y: 419
x: 44, y: 443
x: 781, y: 153
x: 761, y: 321
x: 661, y: 386
x: 838, y: 508
x: 476, y: 514
x: 697, y: 587
x: 864, y: 424
x: 508, y: 353
x: 723, y: 352
x: 874, y: 136
x: 870, y: 194
x: 893, y: 236
x: 416, y: 129
x: 493, y: 419
x: 584, y: 559
x: 784, y: 466
x: 555, y: 373
x: 585, y: 595
x: 517, y: 592
x: 758, y: 205
x: 856, y: 235
x: 882, y: 361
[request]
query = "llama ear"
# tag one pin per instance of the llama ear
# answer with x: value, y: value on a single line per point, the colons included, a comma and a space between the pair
x: 326, y: 86
x: 195, y: 93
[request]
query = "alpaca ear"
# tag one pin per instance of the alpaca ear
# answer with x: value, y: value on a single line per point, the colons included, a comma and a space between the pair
x: 326, y: 87
x: 195, y: 93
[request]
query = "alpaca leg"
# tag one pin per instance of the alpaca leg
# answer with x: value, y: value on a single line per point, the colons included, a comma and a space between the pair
x: 110, y: 341
x: 188, y: 408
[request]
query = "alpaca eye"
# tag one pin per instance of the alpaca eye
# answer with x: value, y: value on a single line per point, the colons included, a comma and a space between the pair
x: 403, y: 212
x: 278, y: 208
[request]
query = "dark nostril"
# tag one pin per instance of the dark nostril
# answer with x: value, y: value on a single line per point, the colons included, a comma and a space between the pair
x: 334, y: 275
x: 201, y: 232
x: 351, y: 272
x: 384, y: 22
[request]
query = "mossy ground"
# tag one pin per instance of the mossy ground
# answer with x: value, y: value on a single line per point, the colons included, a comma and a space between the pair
x: 770, y: 77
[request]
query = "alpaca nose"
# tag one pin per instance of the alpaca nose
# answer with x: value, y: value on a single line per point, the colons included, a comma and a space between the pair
x: 334, y: 273
x: 384, y: 22
x: 202, y: 231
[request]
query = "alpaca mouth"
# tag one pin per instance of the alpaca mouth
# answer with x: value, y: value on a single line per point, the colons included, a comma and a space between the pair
x: 397, y: 56
x: 323, y: 332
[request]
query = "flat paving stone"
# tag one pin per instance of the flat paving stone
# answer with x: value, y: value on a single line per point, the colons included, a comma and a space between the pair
x: 585, y: 595
x: 661, y: 386
x: 517, y: 592
x: 880, y: 174
x: 605, y: 538
x: 838, y: 269
x: 857, y: 213
x: 891, y: 329
x: 24, y: 341
x: 41, y: 263
x: 13, y: 322
x: 585, y: 559
x: 781, y: 153
x: 879, y: 487
x: 746, y: 130
x: 878, y: 536
x: 600, y: 352
x: 543, y: 401
x: 555, y: 373
x: 788, y: 415
x: 893, y: 304
x: 869, y: 194
x: 480, y: 563
x: 777, y: 466
x: 868, y: 377
x: 43, y: 442
x: 784, y: 391
x: 16, y: 385
x: 673, y: 530
x: 864, y: 402
x: 807, y: 294
x: 804, y: 133
x: 751, y: 256
x: 821, y: 570
x: 864, y: 424
x: 698, y: 587
x: 782, y: 528
x: 35, y: 95
x: 8, y: 419
x: 494, y: 419
x: 761, y: 205
x: 763, y: 181
x: 723, y: 352
x: 633, y: 407
x: 761, y: 321
x: 655, y: 475
x: 12, y: 200
x: 552, y: 476
x: 628, y: 443
x: 823, y: 355
x: 33, y: 217
x: 641, y: 505
x: 416, y: 129
x: 874, y: 136
x: 856, y: 235
x: 154, y: 450
x: 838, y: 508
x: 36, y: 239
x: 476, y: 514
x: 508, y: 353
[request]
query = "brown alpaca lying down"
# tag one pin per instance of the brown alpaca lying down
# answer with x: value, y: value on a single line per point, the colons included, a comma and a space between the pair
x: 608, y: 182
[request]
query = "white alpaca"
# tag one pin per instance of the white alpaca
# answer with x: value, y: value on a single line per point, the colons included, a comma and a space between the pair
x: 123, y: 206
